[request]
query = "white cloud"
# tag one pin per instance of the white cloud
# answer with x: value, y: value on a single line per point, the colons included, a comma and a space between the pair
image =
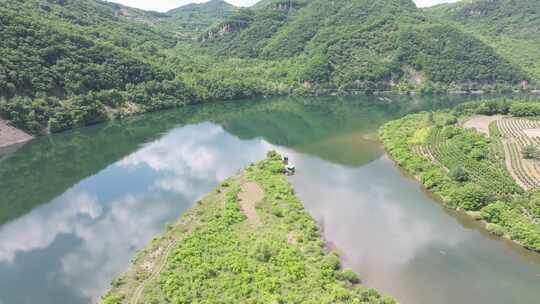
x: 108, y: 243
x: 184, y: 164
x: 364, y: 200
x: 205, y: 159
x: 165, y: 5
x: 39, y: 229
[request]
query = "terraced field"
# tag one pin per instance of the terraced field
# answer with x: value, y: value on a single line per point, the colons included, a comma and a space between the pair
x: 489, y: 175
x: 513, y: 135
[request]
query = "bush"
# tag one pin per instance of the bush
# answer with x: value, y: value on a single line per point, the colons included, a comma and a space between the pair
x: 495, y: 229
x: 530, y: 152
x: 349, y: 276
x: 524, y: 109
x: 273, y: 155
x: 459, y: 174
x: 469, y: 197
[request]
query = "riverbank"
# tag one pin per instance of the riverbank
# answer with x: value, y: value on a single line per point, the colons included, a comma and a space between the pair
x: 103, y: 113
x: 250, y: 240
x: 10, y: 136
x: 466, y: 170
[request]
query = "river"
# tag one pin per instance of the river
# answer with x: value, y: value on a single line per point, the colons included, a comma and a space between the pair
x: 75, y: 207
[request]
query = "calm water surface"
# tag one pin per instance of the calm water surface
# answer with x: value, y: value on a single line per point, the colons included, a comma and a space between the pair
x: 75, y: 207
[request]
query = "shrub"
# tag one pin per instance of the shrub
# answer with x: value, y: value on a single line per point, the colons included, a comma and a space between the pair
x: 530, y: 152
x: 523, y: 109
x: 349, y: 276
x: 469, y: 197
x: 459, y: 174
x: 495, y: 229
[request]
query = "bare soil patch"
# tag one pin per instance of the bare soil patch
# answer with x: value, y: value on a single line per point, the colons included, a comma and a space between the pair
x: 11, y: 136
x: 481, y: 122
x: 249, y: 196
x: 532, y: 133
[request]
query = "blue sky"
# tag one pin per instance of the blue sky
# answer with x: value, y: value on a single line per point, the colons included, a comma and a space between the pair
x: 165, y: 5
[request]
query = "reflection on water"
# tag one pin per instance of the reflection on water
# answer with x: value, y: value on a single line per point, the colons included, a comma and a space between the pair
x: 75, y: 207
x: 77, y: 243
x: 403, y: 243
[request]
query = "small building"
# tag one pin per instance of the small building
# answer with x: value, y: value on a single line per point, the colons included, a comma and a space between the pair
x: 290, y: 169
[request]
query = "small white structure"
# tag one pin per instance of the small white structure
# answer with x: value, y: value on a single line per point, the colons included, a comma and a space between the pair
x: 291, y: 169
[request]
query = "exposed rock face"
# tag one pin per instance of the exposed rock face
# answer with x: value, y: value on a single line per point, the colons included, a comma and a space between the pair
x: 11, y: 136
x: 284, y: 6
x: 222, y: 30
x: 287, y: 5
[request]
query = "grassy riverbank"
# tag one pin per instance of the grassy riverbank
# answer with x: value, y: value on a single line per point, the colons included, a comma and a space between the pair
x: 470, y: 170
x: 249, y: 241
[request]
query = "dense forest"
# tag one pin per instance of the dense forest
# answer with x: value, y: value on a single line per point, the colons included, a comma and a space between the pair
x: 511, y: 27
x: 363, y: 45
x: 70, y: 63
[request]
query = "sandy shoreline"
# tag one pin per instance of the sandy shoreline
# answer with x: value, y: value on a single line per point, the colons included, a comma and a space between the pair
x: 11, y: 136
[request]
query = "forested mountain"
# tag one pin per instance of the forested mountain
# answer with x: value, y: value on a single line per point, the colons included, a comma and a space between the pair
x: 199, y: 16
x: 62, y: 61
x: 70, y: 63
x: 362, y: 44
x: 512, y: 27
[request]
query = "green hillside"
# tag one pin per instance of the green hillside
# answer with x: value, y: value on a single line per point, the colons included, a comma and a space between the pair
x: 512, y: 27
x: 67, y: 63
x: 71, y: 63
x: 363, y: 45
x: 200, y: 16
x: 56, y: 54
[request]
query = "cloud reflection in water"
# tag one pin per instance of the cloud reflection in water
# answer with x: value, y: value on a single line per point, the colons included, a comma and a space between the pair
x: 110, y: 223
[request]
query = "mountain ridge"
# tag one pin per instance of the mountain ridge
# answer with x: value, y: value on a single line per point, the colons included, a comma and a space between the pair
x: 72, y: 63
x: 512, y: 27
x: 358, y: 43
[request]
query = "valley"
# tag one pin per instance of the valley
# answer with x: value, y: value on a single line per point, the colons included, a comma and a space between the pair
x: 291, y: 151
x: 88, y: 61
x: 111, y: 188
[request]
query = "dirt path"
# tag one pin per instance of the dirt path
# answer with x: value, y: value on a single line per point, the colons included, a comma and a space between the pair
x: 11, y: 136
x: 155, y: 272
x: 249, y: 196
x: 481, y: 122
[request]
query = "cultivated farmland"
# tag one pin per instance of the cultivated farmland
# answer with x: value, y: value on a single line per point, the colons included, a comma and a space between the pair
x: 513, y: 135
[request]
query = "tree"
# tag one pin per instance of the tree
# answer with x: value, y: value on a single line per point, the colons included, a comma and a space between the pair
x: 530, y: 152
x: 470, y: 197
x: 431, y: 119
x: 459, y: 174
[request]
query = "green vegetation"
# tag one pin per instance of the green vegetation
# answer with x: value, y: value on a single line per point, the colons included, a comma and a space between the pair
x: 216, y: 255
x: 363, y: 45
x: 464, y: 170
x: 509, y: 26
x: 197, y: 17
x: 462, y: 148
x: 66, y: 63
x: 525, y: 109
x: 530, y: 152
x: 459, y: 174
